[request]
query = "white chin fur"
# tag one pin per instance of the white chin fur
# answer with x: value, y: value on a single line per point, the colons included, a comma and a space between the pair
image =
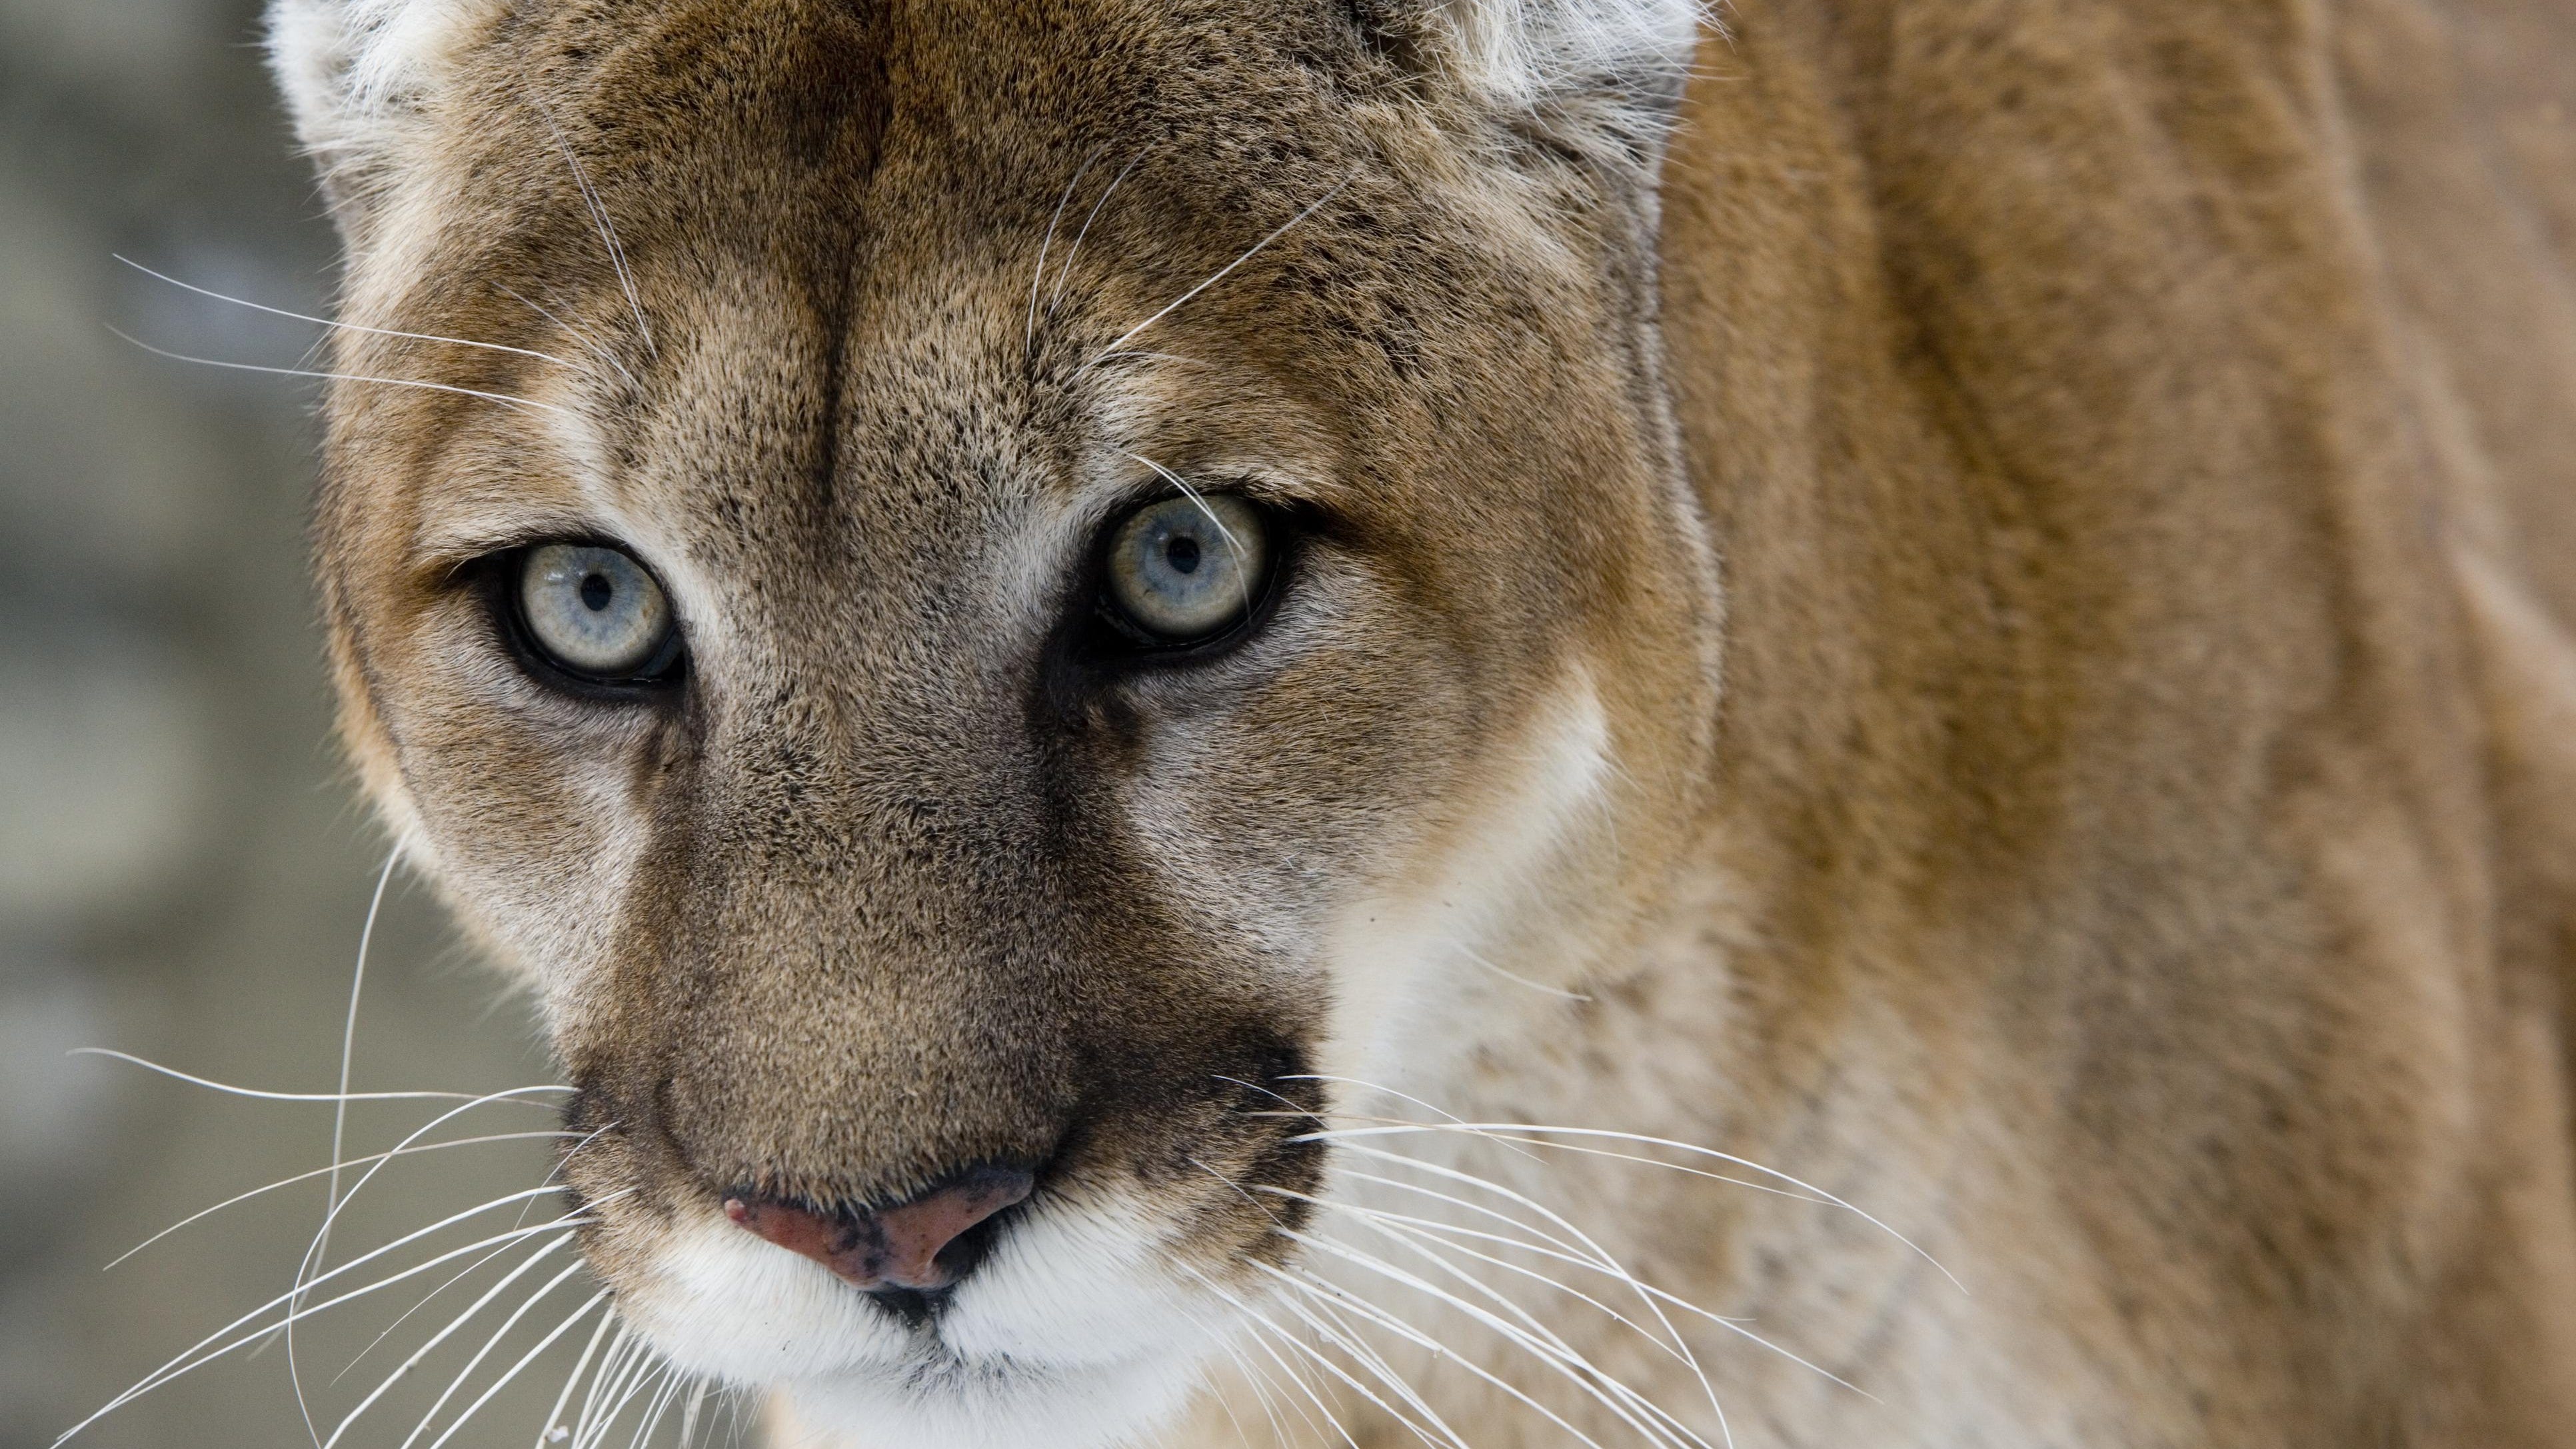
x: 1070, y: 1335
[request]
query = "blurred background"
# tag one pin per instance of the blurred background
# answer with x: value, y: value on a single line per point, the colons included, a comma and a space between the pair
x: 183, y: 869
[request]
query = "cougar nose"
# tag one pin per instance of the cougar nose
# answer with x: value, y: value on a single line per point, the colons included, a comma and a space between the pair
x: 921, y: 1245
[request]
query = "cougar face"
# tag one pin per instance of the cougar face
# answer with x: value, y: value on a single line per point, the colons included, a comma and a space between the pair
x: 1008, y: 589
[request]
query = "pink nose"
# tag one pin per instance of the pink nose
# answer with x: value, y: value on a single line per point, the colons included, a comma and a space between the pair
x: 896, y: 1247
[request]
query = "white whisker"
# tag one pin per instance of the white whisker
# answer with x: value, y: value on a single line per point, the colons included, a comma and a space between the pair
x: 468, y: 1271
x: 1037, y: 275
x: 612, y: 1365
x: 1600, y: 1256
x: 1546, y: 1348
x: 607, y: 228
x: 525, y: 1359
x: 454, y: 1325
x: 321, y: 1246
x: 1407, y: 1228
x: 588, y: 343
x: 498, y: 397
x: 1259, y: 1380
x: 1556, y: 991
x: 226, y: 1087
x: 198, y: 1354
x: 1452, y: 1117
x: 1255, y: 1319
x: 313, y: 1254
x: 659, y: 1405
x: 1341, y: 1335
x: 1317, y: 1289
x: 320, y: 1171
x: 1684, y: 1168
x: 635, y: 1369
x: 689, y: 1415
x: 1219, y: 275
x: 1242, y: 563
x: 554, y: 1416
x: 348, y: 326
x: 1543, y: 1132
x: 1064, y: 275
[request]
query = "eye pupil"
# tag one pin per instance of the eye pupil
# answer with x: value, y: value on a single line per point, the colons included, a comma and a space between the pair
x: 594, y: 611
x: 1183, y: 569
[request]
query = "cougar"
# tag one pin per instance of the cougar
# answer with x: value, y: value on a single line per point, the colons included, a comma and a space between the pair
x: 1507, y: 722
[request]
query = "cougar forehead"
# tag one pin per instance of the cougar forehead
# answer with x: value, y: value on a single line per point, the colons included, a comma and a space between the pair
x: 857, y: 325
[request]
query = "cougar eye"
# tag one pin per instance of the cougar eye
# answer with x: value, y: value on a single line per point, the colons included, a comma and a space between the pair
x: 1185, y: 568
x: 596, y: 613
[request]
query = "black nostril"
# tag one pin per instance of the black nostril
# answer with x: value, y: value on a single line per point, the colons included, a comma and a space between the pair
x: 910, y: 1250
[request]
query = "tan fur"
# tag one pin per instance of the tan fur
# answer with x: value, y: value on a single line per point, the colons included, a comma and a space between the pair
x: 2115, y: 822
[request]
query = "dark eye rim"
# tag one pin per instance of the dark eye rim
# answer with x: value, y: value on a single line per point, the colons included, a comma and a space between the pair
x: 497, y: 580
x: 1119, y: 640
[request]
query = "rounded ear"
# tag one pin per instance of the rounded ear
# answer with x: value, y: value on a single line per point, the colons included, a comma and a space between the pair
x: 356, y: 74
x: 1584, y: 71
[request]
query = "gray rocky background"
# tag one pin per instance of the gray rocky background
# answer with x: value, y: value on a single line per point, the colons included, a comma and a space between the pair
x: 183, y: 871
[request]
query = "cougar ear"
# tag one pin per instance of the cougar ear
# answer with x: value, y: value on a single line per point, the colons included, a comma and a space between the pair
x: 1584, y: 71
x: 356, y: 73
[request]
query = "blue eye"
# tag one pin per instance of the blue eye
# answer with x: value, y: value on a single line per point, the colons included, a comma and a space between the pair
x: 1189, y: 567
x: 596, y: 612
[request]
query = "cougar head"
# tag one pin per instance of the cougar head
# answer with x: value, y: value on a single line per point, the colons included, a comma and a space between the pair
x: 982, y: 597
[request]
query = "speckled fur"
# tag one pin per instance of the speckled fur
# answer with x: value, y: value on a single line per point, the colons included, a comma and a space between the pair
x: 2130, y: 852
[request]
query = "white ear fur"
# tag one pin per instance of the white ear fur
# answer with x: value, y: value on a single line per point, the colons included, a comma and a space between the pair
x: 1543, y: 55
x: 354, y: 70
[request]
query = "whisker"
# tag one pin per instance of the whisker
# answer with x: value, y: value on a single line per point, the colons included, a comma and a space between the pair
x: 1384, y: 1090
x: 1543, y: 1132
x: 1242, y: 565
x: 321, y: 1245
x: 554, y: 1416
x: 454, y: 1325
x: 197, y: 1355
x: 525, y: 1359
x: 1732, y: 1325
x: 1545, y: 1346
x: 659, y: 1405
x: 1254, y: 1379
x: 1556, y: 991
x: 1255, y: 1319
x: 1260, y: 1381
x: 1219, y: 275
x: 689, y: 1415
x: 196, y: 1081
x: 1340, y: 1334
x: 1064, y: 274
x: 1600, y: 1255
x: 589, y: 344
x: 611, y: 1366
x: 1685, y: 1168
x: 600, y: 219
x: 347, y: 326
x: 1371, y: 1310
x: 1515, y: 1143
x: 1567, y: 1364
x: 498, y: 397
x: 635, y: 1367
x: 468, y: 1271
x: 1405, y: 1228
x: 1418, y: 1239
x: 638, y: 1376
x: 313, y: 1254
x: 1037, y: 275
x: 320, y: 1171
